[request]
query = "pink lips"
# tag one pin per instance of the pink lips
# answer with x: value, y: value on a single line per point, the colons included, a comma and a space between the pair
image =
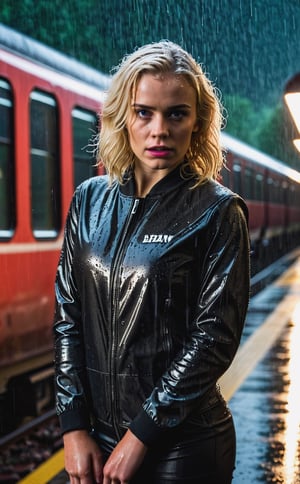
x: 159, y: 151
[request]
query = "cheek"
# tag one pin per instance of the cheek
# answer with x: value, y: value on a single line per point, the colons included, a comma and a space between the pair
x: 135, y: 139
x: 131, y: 137
x: 187, y: 134
x: 131, y: 127
x: 135, y: 131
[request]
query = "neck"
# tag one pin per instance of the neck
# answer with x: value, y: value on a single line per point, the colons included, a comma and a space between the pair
x: 144, y: 184
x: 145, y: 181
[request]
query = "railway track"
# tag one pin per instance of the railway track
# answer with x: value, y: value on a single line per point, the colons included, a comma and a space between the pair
x: 25, y: 449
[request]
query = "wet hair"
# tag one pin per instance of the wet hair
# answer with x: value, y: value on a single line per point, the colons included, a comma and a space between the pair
x: 204, y: 158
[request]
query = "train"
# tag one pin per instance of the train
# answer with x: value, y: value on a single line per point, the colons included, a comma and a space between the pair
x: 49, y: 112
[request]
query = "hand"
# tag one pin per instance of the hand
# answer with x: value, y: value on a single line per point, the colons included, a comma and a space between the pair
x: 124, y: 461
x: 83, y: 458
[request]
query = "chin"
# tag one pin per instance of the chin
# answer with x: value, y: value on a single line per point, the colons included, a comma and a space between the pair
x: 163, y: 165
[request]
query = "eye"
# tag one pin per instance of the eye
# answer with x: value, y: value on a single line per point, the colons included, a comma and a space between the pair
x: 177, y: 115
x: 143, y: 113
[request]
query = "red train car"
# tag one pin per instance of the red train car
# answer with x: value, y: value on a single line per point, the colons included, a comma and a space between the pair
x: 49, y: 107
x: 272, y: 191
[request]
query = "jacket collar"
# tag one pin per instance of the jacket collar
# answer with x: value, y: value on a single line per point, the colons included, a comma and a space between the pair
x: 171, y: 181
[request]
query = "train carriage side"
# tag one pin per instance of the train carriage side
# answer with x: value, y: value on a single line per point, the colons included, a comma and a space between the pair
x: 241, y: 176
x: 272, y: 192
x: 49, y: 109
x: 47, y: 119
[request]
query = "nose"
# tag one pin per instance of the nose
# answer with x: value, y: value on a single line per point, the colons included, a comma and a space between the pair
x: 159, y: 127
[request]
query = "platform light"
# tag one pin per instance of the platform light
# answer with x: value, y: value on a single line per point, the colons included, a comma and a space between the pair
x: 297, y: 143
x: 292, y: 99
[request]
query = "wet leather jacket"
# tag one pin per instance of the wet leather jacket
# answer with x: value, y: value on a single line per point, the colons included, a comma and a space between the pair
x: 151, y: 300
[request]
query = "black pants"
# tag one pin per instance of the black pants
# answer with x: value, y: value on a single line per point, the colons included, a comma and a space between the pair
x: 193, y: 454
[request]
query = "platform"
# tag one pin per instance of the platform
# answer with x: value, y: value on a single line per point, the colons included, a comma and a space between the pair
x: 266, y: 407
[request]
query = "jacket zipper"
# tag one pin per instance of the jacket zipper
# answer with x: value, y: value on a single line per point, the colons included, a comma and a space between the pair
x: 114, y: 315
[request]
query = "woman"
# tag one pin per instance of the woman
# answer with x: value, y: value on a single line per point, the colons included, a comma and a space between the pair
x: 152, y: 286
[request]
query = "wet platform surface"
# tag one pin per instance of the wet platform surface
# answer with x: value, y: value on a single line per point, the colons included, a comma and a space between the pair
x: 266, y: 408
x: 267, y: 417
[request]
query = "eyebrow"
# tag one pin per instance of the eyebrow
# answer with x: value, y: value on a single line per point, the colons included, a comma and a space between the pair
x: 176, y: 106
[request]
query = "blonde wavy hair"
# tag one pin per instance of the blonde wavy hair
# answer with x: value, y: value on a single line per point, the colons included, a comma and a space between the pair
x: 204, y: 158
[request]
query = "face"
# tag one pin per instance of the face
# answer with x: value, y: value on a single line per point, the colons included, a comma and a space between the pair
x: 162, y: 121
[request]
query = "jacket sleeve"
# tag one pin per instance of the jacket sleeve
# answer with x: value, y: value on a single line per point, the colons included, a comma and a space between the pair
x: 215, y: 331
x: 71, y: 405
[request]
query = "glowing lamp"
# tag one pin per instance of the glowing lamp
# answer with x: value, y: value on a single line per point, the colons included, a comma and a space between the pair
x: 297, y: 143
x: 292, y: 99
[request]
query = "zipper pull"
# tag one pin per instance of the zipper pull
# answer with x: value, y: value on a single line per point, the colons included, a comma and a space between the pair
x: 135, y: 205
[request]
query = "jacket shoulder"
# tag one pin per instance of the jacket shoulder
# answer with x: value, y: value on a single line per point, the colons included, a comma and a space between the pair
x: 99, y: 182
x: 92, y: 188
x: 216, y: 192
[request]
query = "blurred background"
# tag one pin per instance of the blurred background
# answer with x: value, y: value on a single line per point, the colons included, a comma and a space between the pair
x: 249, y: 49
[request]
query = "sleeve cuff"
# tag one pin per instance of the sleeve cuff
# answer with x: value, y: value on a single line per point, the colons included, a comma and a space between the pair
x: 145, y: 429
x: 74, y: 419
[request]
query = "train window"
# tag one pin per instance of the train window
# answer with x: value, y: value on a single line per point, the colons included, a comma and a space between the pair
x: 291, y: 194
x: 258, y: 188
x: 7, y: 165
x: 45, y: 202
x: 283, y: 193
x: 270, y: 186
x: 276, y: 192
x: 294, y: 195
x: 225, y: 176
x: 237, y: 181
x: 84, y: 127
x: 297, y: 196
x: 249, y: 176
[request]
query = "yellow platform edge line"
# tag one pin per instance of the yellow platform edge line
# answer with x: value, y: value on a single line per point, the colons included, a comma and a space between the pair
x: 257, y: 345
x: 46, y: 471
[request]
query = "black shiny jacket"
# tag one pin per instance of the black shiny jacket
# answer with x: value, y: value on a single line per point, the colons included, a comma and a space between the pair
x: 151, y: 297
